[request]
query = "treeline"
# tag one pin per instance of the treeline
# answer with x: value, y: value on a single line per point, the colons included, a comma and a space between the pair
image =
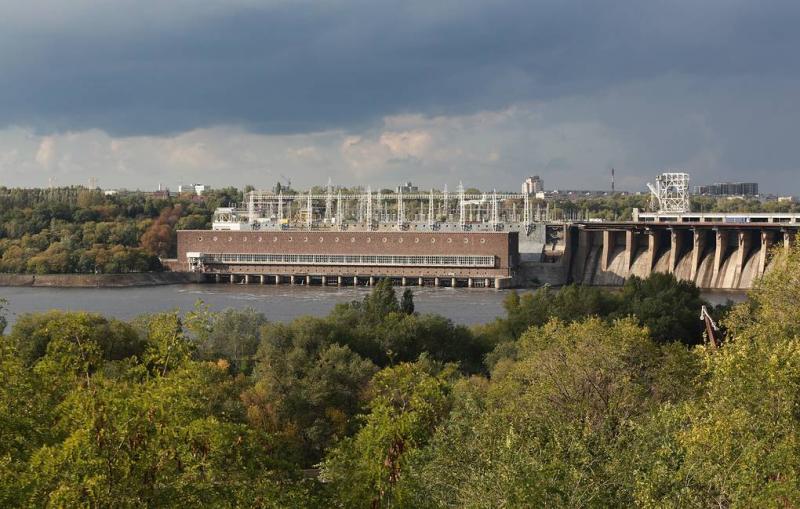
x: 576, y: 398
x: 68, y: 230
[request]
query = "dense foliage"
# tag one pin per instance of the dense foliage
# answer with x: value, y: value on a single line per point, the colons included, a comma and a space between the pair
x: 576, y: 398
x: 69, y: 230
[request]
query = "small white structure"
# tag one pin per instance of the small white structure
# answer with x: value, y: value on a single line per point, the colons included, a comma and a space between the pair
x: 406, y: 187
x: 671, y: 192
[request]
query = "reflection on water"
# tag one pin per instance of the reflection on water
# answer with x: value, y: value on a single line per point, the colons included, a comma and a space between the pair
x: 278, y: 303
x: 723, y: 296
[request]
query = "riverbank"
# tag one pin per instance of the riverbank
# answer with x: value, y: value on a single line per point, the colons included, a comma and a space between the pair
x: 98, y: 280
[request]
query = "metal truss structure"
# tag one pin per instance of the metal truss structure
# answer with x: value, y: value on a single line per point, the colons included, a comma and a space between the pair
x: 335, y: 209
x: 670, y: 193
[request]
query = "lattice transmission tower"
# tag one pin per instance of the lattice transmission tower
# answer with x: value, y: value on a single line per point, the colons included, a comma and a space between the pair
x: 670, y: 192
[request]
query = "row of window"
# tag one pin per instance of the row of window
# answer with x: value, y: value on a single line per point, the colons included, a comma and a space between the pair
x: 305, y: 238
x: 332, y: 259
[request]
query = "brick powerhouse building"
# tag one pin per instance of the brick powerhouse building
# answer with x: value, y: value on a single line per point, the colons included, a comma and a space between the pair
x: 351, y: 257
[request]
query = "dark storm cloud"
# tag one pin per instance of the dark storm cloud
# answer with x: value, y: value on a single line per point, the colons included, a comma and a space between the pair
x: 279, y: 67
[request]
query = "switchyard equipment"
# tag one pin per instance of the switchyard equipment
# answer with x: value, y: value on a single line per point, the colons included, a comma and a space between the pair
x: 365, y: 210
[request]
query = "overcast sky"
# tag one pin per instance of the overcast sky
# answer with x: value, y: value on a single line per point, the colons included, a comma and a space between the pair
x: 140, y: 92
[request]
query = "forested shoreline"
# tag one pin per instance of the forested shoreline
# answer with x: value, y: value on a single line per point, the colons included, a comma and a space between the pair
x: 576, y: 398
x: 78, y: 230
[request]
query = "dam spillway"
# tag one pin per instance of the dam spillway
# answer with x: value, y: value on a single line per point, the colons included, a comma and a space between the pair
x: 712, y: 255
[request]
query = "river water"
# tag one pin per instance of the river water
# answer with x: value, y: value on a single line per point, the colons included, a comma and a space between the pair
x: 279, y: 303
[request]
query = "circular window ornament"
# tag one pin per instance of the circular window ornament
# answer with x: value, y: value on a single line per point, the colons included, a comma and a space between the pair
x: 321, y: 239
x: 199, y: 239
x: 483, y: 241
x: 244, y: 239
x: 214, y: 238
x: 305, y: 239
x: 260, y: 239
x: 400, y: 240
x: 369, y: 239
x: 290, y: 239
x: 352, y: 239
x: 449, y: 240
x: 230, y: 239
x: 433, y: 240
x: 384, y: 240
x: 336, y: 239
x: 416, y: 240
x: 275, y: 239
x: 466, y: 240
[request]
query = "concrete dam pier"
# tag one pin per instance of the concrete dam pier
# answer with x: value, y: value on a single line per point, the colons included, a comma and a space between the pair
x: 712, y: 255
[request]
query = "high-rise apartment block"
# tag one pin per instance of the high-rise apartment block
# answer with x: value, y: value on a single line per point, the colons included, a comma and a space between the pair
x: 533, y: 185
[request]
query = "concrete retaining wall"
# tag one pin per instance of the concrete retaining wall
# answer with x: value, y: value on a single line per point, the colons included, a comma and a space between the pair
x: 98, y: 280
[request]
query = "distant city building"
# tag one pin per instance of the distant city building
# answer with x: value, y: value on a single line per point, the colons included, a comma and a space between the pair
x: 197, y: 189
x: 786, y: 199
x: 728, y: 189
x: 110, y: 192
x: 407, y: 188
x: 533, y: 185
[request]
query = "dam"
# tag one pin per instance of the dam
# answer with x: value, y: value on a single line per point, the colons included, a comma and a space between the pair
x: 713, y: 255
x: 486, y: 240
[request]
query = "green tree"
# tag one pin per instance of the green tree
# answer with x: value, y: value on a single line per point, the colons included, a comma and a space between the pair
x: 407, y: 402
x: 738, y: 442
x: 3, y: 319
x: 381, y: 301
x: 167, y: 346
x: 307, y: 390
x: 550, y: 425
x: 667, y: 307
x: 231, y: 334
x: 153, y: 441
x: 25, y: 423
x: 407, y: 302
x: 33, y: 332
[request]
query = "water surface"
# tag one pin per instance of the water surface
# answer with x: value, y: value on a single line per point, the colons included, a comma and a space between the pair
x: 279, y: 303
